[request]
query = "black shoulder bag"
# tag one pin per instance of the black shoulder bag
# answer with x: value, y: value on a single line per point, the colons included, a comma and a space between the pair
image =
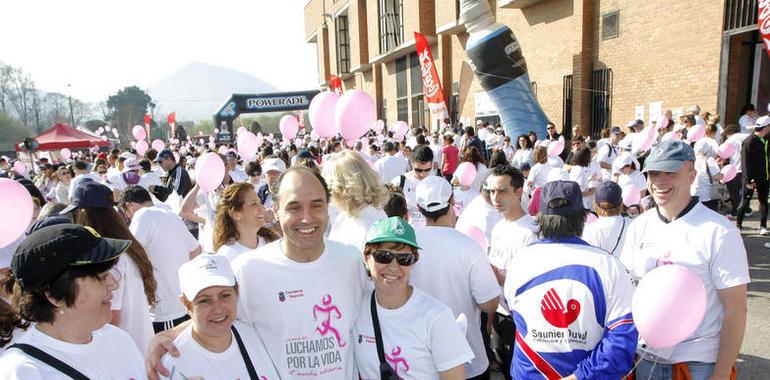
x: 246, y: 360
x: 50, y: 360
x: 386, y: 371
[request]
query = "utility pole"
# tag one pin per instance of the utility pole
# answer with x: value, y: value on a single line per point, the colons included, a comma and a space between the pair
x: 72, y: 115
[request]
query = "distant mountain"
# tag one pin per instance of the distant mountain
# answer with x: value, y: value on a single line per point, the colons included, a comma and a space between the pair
x: 197, y: 90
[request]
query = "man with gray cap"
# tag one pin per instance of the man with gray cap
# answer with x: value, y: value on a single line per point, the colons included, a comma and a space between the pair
x: 568, y: 326
x: 681, y: 230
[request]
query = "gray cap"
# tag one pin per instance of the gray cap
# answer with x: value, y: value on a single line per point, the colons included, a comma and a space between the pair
x: 668, y: 156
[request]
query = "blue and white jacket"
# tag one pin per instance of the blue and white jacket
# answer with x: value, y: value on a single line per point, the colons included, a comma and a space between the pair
x: 571, y: 304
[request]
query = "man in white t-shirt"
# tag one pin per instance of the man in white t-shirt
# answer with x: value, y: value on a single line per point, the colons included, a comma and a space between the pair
x: 516, y: 231
x: 302, y: 292
x: 422, y: 167
x: 168, y: 244
x: 608, y: 153
x: 609, y: 230
x: 680, y: 230
x: 453, y: 268
x: 231, y: 164
x: 390, y: 166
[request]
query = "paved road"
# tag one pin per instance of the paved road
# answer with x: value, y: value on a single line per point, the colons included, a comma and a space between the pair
x: 754, y: 359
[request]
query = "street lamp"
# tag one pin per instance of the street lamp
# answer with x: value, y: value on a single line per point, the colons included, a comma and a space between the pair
x: 72, y: 115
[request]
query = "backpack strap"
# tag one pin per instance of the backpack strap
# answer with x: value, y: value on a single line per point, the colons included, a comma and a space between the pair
x: 50, y: 360
x: 386, y: 371
x: 401, y: 183
x: 245, y: 355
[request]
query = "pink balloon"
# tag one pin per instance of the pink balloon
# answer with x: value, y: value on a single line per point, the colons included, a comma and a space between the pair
x: 400, y: 129
x: 668, y: 305
x: 19, y: 167
x: 631, y: 196
x: 465, y: 173
x: 200, y: 142
x: 133, y: 144
x: 354, y: 113
x: 643, y: 141
x: 209, y: 171
x: 314, y: 135
x: 216, y: 130
x: 662, y: 123
x: 590, y: 218
x: 141, y: 147
x: 288, y: 126
x: 321, y: 113
x: 211, y: 139
x: 115, y: 132
x: 696, y: 132
x: 248, y: 144
x: 726, y: 150
x: 378, y: 126
x: 99, y: 130
x: 139, y: 132
x: 555, y: 148
x: 474, y: 233
x: 176, y: 156
x: 158, y: 145
x: 534, y: 202
x: 241, y: 130
x: 728, y: 173
x: 65, y: 154
x: 17, y: 207
x: 222, y: 149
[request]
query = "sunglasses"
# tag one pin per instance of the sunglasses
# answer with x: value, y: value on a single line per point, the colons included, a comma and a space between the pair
x: 386, y: 257
x: 422, y: 170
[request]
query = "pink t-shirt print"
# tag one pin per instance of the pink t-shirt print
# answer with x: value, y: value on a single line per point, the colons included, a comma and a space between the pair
x: 396, y: 361
x: 326, y: 325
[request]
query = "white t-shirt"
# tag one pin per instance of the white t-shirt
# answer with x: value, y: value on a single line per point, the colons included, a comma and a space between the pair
x: 582, y: 175
x: 111, y: 354
x: 508, y: 238
x: 416, y: 219
x: 634, y: 179
x: 737, y: 140
x: 607, y: 154
x: 539, y: 174
x: 389, y: 167
x: 168, y: 244
x: 234, y: 249
x: 130, y: 299
x: 420, y: 339
x: 239, y: 175
x: 304, y: 312
x: 207, y: 208
x: 454, y: 269
x: 745, y: 122
x: 700, y: 187
x: 481, y: 214
x: 352, y: 230
x: 481, y: 174
x: 196, y: 361
x: 607, y: 233
x: 462, y: 198
x: 521, y: 157
x: 704, y: 242
x: 150, y: 179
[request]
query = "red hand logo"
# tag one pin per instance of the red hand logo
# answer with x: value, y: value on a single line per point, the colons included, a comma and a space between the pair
x: 554, y: 312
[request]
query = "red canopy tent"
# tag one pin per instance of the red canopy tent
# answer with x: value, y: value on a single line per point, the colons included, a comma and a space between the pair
x: 63, y: 136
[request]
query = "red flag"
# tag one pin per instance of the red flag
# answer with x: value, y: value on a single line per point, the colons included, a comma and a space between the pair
x: 335, y: 84
x: 434, y: 93
x: 171, y: 125
x: 171, y: 118
x: 147, y: 120
x: 764, y: 22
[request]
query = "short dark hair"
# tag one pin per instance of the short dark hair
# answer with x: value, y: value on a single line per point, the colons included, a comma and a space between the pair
x: 517, y: 178
x: 421, y: 140
x: 498, y: 158
x: 254, y: 169
x: 526, y: 138
x: 146, y: 165
x: 469, y: 131
x: 422, y: 153
x: 560, y: 227
x: 581, y: 157
x: 151, y: 154
x: 388, y: 147
x: 396, y: 203
x: 300, y: 169
x: 81, y: 165
x: 134, y: 194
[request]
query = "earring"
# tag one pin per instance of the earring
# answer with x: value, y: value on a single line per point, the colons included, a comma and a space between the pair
x: 61, y: 311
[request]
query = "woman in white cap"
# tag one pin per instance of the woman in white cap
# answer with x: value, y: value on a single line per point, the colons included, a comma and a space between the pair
x: 402, y: 331
x: 63, y: 283
x: 707, y: 174
x: 215, y: 345
x: 357, y: 195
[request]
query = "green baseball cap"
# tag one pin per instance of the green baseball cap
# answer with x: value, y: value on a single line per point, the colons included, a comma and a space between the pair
x: 392, y: 230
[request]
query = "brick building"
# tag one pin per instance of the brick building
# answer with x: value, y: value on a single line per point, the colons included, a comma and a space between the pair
x: 592, y: 63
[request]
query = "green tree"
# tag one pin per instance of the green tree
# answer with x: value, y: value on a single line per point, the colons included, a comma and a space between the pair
x: 126, y: 109
x: 12, y: 132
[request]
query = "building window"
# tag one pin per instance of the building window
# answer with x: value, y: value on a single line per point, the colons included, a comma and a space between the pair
x: 384, y: 111
x: 566, y: 113
x: 343, y: 44
x: 401, y: 78
x: 391, y: 23
x: 740, y: 14
x: 610, y: 25
x: 402, y: 109
x: 415, y: 74
x: 418, y: 111
x: 601, y: 100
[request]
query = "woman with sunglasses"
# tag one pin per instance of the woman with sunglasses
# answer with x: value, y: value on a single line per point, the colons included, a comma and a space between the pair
x: 418, y: 335
x: 63, y: 177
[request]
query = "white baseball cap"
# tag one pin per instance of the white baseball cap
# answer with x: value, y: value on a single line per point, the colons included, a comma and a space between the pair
x: 203, y: 272
x: 433, y: 193
x: 763, y: 121
x: 127, y: 155
x: 274, y: 164
x: 131, y: 164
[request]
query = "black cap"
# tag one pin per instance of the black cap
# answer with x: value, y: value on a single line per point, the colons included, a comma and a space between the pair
x: 90, y: 194
x: 50, y: 220
x: 304, y: 153
x: 609, y: 192
x: 165, y: 153
x: 567, y: 191
x: 49, y: 251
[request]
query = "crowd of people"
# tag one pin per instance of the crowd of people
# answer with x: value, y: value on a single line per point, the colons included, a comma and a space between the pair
x: 374, y: 260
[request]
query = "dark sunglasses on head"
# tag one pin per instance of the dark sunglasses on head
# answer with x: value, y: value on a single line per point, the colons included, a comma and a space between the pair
x: 422, y: 170
x: 385, y: 257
